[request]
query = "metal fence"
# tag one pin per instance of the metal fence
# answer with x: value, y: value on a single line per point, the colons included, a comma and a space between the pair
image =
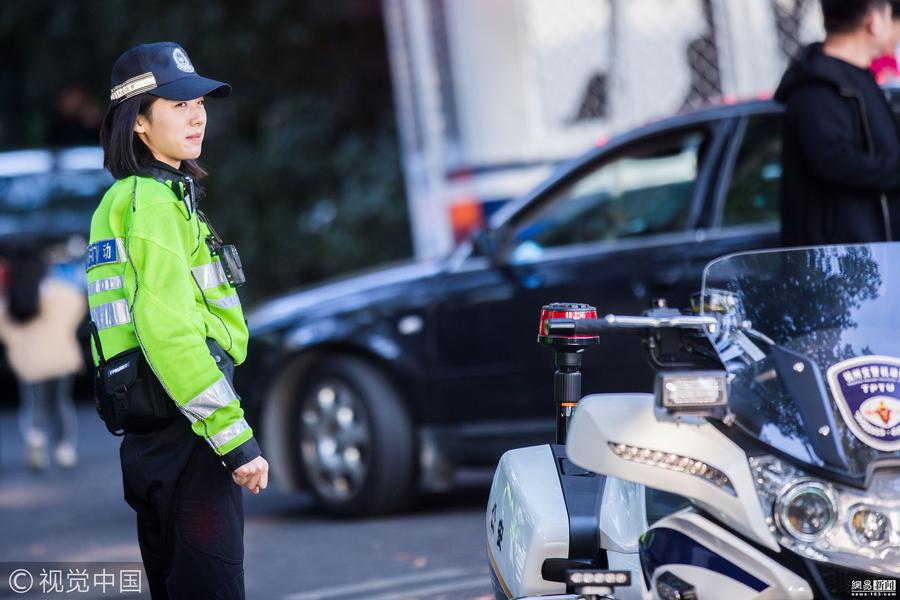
x: 798, y: 22
x: 578, y: 58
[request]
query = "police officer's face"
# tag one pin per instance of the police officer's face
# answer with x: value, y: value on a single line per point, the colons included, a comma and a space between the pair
x: 173, y: 130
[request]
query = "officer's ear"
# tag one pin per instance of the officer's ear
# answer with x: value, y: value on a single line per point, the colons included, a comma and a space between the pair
x: 878, y: 20
x: 140, y: 124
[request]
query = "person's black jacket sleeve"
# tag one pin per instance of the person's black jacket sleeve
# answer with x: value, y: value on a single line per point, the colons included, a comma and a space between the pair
x: 827, y: 133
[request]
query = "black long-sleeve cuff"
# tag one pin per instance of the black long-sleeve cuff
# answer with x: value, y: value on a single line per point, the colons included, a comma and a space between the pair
x: 242, y: 454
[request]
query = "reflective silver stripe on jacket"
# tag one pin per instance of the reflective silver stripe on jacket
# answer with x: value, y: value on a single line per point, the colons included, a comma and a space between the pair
x: 210, y: 400
x: 229, y: 433
x: 111, y: 314
x: 209, y: 275
x: 105, y: 285
x: 226, y: 302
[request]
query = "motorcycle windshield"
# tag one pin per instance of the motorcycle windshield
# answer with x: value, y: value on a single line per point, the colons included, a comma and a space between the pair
x: 811, y: 341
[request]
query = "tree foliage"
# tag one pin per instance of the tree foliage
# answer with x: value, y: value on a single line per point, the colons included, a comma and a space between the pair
x: 303, y: 158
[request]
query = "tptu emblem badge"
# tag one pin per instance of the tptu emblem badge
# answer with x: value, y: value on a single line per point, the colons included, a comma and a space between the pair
x: 867, y: 392
x: 181, y: 60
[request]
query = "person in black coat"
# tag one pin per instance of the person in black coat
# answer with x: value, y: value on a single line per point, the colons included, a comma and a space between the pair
x: 841, y: 153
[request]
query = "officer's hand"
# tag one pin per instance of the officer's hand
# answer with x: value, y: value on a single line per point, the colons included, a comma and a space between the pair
x: 254, y: 475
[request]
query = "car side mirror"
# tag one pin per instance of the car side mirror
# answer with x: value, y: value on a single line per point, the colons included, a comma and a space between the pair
x: 485, y: 241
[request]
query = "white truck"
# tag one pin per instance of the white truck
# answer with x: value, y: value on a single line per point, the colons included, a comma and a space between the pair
x: 490, y: 96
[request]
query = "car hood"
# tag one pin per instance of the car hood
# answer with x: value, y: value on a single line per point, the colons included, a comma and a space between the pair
x: 347, y: 293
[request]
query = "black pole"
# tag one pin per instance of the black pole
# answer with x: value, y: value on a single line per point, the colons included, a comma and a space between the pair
x: 566, y: 390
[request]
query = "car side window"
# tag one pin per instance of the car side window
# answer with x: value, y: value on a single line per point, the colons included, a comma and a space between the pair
x: 754, y: 188
x: 647, y: 189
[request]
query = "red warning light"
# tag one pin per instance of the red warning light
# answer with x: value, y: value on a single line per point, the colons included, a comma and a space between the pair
x: 564, y: 310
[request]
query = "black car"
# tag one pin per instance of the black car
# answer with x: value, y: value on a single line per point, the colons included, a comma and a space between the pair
x: 365, y: 387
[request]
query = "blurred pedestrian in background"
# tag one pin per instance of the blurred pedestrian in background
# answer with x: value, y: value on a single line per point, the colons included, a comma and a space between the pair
x: 168, y: 330
x: 885, y: 68
x: 841, y: 152
x: 38, y: 322
x: 76, y: 118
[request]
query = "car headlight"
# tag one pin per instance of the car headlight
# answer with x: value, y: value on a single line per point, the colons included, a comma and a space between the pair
x: 827, y: 522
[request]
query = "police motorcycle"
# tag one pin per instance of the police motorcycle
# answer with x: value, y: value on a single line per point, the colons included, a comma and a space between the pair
x: 765, y: 465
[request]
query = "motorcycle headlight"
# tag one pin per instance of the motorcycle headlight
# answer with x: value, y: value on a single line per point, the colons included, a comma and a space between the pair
x: 831, y: 523
x: 806, y: 510
x: 869, y: 527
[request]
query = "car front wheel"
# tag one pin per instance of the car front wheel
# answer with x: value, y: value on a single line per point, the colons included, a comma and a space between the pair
x: 354, y: 442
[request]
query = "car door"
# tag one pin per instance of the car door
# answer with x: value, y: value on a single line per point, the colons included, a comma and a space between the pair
x: 745, y: 213
x: 615, y: 232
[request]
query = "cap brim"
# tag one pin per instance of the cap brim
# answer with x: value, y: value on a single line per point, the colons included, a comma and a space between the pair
x: 188, y: 88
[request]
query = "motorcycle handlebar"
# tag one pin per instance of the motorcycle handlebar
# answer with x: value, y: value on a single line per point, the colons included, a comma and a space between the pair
x: 573, y: 327
x: 619, y: 323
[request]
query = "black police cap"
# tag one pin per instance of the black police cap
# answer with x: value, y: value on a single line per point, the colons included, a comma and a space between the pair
x: 162, y: 69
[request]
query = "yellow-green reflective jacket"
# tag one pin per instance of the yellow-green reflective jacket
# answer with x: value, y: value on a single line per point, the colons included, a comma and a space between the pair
x: 153, y: 283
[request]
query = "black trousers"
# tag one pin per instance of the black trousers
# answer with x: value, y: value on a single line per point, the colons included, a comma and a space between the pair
x: 190, y: 514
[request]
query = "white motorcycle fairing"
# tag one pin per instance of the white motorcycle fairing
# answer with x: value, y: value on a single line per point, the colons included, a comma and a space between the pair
x: 603, y: 421
x: 528, y: 521
x: 716, y: 562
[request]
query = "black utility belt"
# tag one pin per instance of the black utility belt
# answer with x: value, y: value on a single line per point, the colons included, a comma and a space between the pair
x: 129, y: 397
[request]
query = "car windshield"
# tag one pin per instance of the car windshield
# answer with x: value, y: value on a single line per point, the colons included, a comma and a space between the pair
x: 814, y: 353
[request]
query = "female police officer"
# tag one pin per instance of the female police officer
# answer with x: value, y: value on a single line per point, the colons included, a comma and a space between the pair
x: 167, y: 329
